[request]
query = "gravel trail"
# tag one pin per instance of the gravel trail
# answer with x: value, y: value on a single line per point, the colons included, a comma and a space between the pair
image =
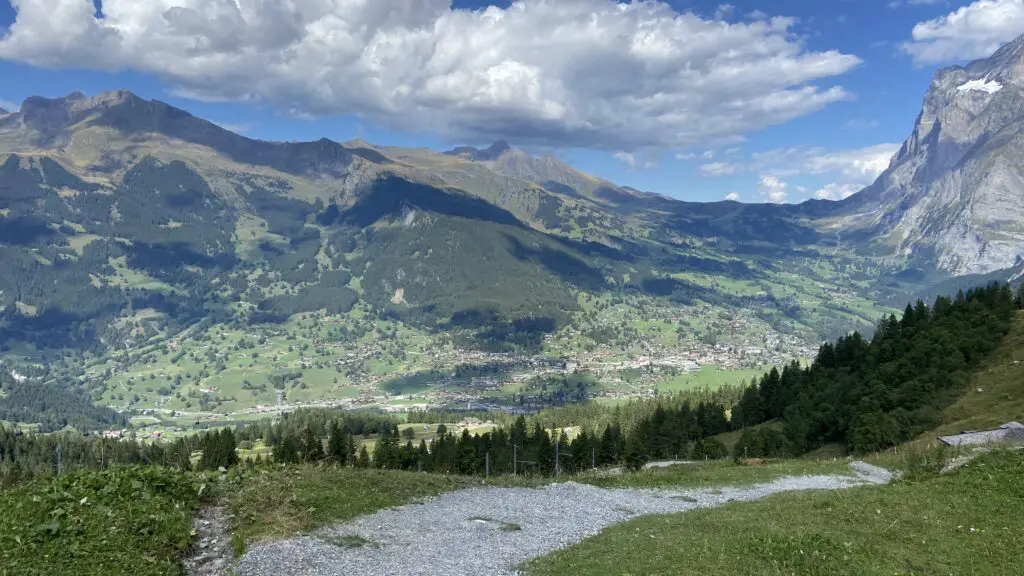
x: 489, y: 531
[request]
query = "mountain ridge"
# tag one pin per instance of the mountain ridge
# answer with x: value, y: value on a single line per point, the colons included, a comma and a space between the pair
x: 954, y: 188
x: 317, y: 216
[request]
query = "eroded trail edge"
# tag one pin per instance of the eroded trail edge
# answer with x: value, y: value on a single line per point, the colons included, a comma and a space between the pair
x: 213, y: 554
x: 493, y: 530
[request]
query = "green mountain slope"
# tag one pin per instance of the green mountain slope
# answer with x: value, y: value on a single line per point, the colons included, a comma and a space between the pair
x: 129, y: 224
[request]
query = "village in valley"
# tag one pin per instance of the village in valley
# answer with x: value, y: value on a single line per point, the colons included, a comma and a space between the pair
x: 219, y: 373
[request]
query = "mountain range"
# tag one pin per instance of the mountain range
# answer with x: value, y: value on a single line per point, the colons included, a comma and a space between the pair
x: 110, y: 204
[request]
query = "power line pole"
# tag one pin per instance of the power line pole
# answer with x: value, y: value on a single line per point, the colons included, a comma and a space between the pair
x: 487, y: 465
x: 515, y: 463
x: 58, y: 461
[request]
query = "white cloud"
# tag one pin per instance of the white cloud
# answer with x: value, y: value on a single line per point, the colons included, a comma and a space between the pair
x: 856, y: 166
x: 973, y: 31
x: 635, y: 161
x: 587, y: 73
x: 772, y: 189
x: 714, y: 169
x: 733, y: 196
x: 836, y: 191
x: 626, y: 158
x: 8, y: 105
x: 724, y: 11
x: 860, y: 165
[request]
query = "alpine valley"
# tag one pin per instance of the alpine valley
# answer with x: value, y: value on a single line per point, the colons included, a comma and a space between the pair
x: 158, y: 265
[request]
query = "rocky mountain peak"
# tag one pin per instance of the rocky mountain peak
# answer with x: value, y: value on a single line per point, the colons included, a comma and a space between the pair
x: 51, y: 118
x: 956, y: 187
x: 1007, y: 63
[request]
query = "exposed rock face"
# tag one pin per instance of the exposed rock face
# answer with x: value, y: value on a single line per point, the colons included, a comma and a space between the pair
x: 956, y: 187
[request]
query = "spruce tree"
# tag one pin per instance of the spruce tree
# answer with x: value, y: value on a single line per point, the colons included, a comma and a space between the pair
x: 337, y: 446
x: 363, y: 460
x: 312, y: 448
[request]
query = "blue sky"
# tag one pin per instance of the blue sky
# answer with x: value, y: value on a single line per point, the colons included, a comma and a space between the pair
x: 767, y: 109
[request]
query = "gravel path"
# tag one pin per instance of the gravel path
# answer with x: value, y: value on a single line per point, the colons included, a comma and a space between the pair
x: 489, y: 531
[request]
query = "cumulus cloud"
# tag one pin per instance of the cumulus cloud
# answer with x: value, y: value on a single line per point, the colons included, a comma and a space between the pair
x: 586, y: 73
x: 733, y: 196
x: 635, y: 161
x: 772, y: 189
x: 724, y: 11
x: 860, y: 165
x: 9, y: 106
x: 973, y: 31
x: 626, y: 158
x: 836, y: 191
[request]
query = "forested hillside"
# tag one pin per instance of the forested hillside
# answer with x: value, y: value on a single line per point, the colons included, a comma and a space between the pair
x: 869, y: 395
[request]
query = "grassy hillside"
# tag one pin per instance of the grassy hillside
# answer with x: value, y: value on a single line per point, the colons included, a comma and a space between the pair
x: 964, y: 523
x: 996, y: 392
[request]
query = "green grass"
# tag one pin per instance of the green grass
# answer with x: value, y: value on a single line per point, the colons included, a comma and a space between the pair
x: 729, y: 439
x: 714, y: 473
x: 1001, y: 379
x: 127, y: 521
x: 964, y: 523
x: 278, y: 502
x: 710, y: 376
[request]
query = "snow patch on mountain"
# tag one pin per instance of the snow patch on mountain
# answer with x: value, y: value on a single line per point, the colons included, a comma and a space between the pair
x: 990, y: 86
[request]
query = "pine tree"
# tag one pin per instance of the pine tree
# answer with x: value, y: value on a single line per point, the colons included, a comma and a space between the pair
x: 337, y: 446
x: 363, y: 460
x: 312, y: 448
x: 422, y: 454
x: 350, y: 449
x: 544, y: 450
x: 286, y: 451
x: 227, y: 450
